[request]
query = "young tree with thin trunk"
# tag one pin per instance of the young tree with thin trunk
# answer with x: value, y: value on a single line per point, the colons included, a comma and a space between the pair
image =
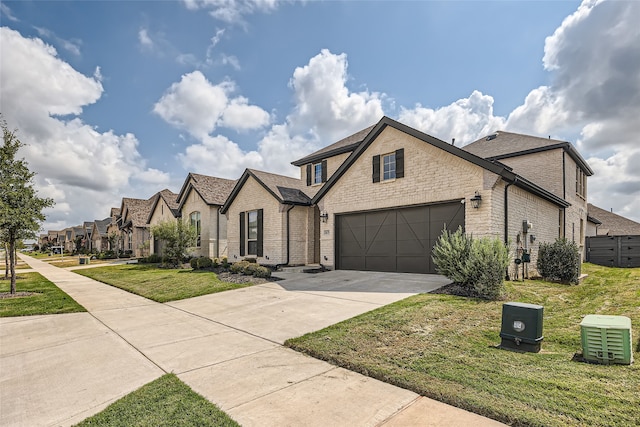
x: 178, y: 236
x: 20, y: 207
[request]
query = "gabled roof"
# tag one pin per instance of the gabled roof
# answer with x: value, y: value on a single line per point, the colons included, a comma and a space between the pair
x: 345, y: 145
x: 101, y: 225
x: 213, y: 190
x: 495, y: 167
x: 170, y: 198
x: 502, y: 145
x: 612, y: 224
x: 114, y: 212
x: 135, y: 211
x: 286, y: 190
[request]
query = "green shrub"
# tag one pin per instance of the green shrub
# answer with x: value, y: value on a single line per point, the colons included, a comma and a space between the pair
x: 478, y: 265
x: 451, y: 253
x: 216, y: 263
x: 151, y: 259
x: 204, y: 262
x: 559, y: 261
x: 225, y: 263
x: 238, y: 267
x: 486, y: 266
x: 263, y: 272
x: 251, y: 260
x: 250, y: 269
x: 194, y: 263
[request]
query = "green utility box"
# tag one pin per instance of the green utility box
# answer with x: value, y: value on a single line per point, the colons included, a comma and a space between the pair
x: 606, y: 339
x: 521, y: 327
x: 84, y: 260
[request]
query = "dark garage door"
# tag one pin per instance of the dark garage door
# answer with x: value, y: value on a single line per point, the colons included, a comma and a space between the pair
x: 397, y: 240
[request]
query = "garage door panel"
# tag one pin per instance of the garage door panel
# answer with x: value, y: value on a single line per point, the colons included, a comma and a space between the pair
x: 394, y: 240
x: 380, y: 263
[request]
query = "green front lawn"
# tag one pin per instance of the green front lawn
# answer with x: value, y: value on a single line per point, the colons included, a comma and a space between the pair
x: 160, y: 284
x: 166, y: 401
x: 444, y: 347
x: 47, y: 298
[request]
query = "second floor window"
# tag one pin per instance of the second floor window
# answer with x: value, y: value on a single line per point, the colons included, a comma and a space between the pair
x: 195, y: 222
x: 389, y: 166
x: 317, y: 173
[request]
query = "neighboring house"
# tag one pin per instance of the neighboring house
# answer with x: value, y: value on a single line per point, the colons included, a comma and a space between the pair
x: 389, y: 201
x: 133, y: 225
x: 604, y: 223
x: 272, y: 220
x: 88, y: 230
x: 199, y: 202
x: 53, y: 237
x: 554, y: 165
x: 68, y: 239
x: 99, y: 235
x: 114, y: 229
x: 164, y: 208
x: 77, y: 234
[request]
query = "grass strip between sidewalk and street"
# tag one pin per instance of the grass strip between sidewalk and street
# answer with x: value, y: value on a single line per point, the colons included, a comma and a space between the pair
x: 166, y: 401
x: 444, y: 347
x: 45, y: 298
x: 160, y: 284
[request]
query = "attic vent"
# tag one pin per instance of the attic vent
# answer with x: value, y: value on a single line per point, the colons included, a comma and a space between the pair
x: 606, y: 339
x: 492, y: 136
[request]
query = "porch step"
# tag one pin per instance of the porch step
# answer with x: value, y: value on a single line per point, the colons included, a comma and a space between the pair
x: 309, y: 268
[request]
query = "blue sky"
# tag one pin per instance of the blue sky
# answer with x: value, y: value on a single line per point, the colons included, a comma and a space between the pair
x: 123, y: 99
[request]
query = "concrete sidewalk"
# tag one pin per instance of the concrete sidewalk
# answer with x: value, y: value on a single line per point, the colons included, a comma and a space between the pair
x: 57, y: 370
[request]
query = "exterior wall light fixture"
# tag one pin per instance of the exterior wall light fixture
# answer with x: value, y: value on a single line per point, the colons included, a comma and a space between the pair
x: 324, y: 216
x: 476, y: 200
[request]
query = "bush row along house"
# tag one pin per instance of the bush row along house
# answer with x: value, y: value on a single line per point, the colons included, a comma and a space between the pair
x: 376, y: 200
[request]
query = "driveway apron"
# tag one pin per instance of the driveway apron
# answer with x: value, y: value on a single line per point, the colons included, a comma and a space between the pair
x: 57, y: 370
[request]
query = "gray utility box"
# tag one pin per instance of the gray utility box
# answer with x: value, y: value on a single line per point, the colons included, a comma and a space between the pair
x: 521, y: 327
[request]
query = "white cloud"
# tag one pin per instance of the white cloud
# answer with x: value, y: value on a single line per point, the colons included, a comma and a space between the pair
x: 72, y: 46
x: 85, y: 171
x: 198, y: 106
x: 232, y: 11
x: 144, y: 39
x: 465, y: 119
x: 6, y: 11
x: 325, y: 111
x: 595, y: 93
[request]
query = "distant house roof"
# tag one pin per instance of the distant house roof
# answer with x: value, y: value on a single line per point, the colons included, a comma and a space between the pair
x: 502, y: 145
x: 135, y: 211
x: 286, y: 190
x: 101, y: 225
x: 114, y: 212
x: 612, y: 224
x: 170, y: 198
x: 345, y: 145
x: 213, y: 190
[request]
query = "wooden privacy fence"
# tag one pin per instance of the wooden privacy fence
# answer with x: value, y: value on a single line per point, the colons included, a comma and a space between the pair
x: 614, y: 251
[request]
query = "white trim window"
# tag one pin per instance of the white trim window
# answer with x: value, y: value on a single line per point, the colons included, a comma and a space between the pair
x: 389, y: 166
x: 195, y: 222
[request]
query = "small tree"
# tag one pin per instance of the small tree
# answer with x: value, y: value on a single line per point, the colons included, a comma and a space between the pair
x: 559, y: 261
x: 177, y: 236
x: 20, y: 207
x: 113, y: 239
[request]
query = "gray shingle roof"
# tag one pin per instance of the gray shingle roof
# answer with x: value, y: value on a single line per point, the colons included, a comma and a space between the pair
x: 101, y: 225
x: 136, y: 210
x: 114, y: 212
x: 613, y: 224
x: 213, y: 190
x: 501, y: 145
x: 288, y: 190
x: 343, y: 146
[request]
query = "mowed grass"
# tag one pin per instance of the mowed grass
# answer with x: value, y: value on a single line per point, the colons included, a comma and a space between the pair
x: 166, y: 401
x: 160, y: 284
x: 444, y: 347
x: 47, y: 298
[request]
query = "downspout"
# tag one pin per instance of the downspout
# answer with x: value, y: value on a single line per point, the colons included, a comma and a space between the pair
x: 564, y: 195
x: 506, y: 218
x: 218, y: 233
x: 288, y: 232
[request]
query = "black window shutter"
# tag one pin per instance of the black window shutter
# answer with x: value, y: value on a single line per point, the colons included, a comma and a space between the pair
x: 260, y: 233
x: 242, y: 231
x: 308, y: 174
x: 376, y: 168
x: 324, y: 171
x: 400, y: 163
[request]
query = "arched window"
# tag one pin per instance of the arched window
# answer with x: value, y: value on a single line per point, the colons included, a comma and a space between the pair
x: 195, y: 222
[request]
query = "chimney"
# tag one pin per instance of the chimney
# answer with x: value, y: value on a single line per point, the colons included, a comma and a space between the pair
x: 453, y: 141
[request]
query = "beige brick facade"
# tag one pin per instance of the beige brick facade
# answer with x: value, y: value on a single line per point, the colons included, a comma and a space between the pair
x: 161, y: 213
x: 213, y: 226
x: 254, y: 196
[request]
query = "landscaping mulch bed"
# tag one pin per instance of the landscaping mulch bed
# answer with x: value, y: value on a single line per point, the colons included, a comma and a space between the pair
x: 455, y: 289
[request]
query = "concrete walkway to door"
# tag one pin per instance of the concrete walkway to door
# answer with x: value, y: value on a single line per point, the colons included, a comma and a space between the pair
x: 59, y: 369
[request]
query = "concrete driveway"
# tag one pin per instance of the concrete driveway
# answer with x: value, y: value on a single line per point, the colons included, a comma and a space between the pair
x: 57, y: 370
